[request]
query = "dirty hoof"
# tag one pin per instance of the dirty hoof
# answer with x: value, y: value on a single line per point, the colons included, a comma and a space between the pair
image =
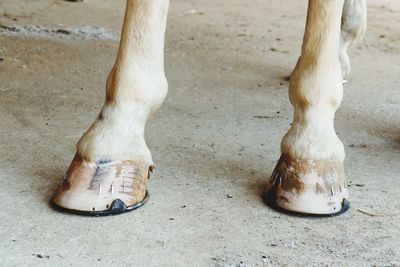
x: 308, y: 187
x: 103, y: 188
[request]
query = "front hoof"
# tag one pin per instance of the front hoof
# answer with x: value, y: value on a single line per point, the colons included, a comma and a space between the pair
x: 308, y: 186
x: 102, y: 188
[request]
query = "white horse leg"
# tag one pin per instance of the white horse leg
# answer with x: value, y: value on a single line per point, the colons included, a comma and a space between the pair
x: 112, y: 163
x: 354, y: 24
x: 309, y: 176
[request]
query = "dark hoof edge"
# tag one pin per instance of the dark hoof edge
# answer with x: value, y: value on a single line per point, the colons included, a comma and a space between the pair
x: 269, y: 199
x: 117, y: 207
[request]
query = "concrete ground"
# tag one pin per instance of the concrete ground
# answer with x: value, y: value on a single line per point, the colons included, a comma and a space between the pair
x: 226, y: 62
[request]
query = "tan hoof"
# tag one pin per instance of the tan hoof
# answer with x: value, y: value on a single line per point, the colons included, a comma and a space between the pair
x: 307, y: 186
x: 103, y: 188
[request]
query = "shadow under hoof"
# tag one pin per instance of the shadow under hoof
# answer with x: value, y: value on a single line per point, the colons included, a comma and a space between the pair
x: 269, y: 199
x: 117, y: 207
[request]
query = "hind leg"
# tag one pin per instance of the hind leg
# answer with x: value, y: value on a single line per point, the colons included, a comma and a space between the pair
x: 353, y: 26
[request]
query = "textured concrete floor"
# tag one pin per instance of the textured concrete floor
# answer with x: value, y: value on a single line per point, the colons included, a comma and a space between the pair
x: 226, y: 62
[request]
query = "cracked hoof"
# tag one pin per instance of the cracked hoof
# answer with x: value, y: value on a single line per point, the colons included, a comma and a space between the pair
x: 308, y: 187
x: 103, y: 188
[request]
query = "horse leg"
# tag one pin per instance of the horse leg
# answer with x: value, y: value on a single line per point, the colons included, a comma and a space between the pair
x: 309, y: 176
x: 112, y: 162
x: 354, y: 24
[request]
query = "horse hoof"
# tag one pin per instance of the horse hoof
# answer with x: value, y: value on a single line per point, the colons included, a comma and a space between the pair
x: 308, y: 187
x: 102, y: 188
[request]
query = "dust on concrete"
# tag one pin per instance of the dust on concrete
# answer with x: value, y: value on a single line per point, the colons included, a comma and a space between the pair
x: 67, y: 33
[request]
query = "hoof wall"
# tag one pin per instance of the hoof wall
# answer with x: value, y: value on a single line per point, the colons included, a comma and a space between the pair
x: 102, y: 188
x: 308, y: 187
